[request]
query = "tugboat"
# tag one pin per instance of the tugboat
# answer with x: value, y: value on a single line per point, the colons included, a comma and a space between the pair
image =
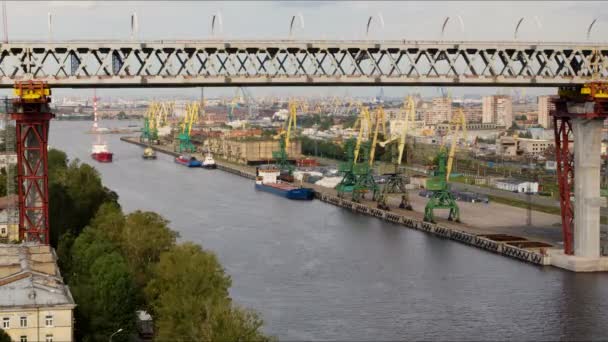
x: 101, y: 153
x: 267, y: 180
x: 209, y: 162
x: 188, y: 161
x: 149, y: 153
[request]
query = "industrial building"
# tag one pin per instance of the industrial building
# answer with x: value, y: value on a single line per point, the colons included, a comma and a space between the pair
x: 515, y: 146
x: 515, y: 185
x: 35, y: 304
x: 251, y: 151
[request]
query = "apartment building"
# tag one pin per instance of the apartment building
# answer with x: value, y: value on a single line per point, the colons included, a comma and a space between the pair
x: 497, y: 109
x: 545, y: 106
x: 439, y: 111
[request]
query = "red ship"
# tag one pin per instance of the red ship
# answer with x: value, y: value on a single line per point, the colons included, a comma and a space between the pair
x: 101, y: 153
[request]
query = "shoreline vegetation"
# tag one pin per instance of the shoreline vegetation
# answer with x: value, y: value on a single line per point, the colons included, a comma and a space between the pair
x: 117, y: 264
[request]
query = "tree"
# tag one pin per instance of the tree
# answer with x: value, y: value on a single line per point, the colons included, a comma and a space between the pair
x: 145, y: 237
x: 4, y: 337
x: 189, y: 298
x: 103, y: 287
x: 233, y: 324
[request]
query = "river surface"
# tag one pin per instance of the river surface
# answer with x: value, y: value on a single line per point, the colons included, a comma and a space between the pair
x: 317, y: 272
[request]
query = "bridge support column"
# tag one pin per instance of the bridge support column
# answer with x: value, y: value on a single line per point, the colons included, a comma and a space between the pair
x: 587, y: 152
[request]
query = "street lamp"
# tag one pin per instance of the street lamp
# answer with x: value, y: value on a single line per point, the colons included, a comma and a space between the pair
x: 117, y: 331
x: 445, y: 23
x: 217, y: 17
x: 369, y: 22
x: 536, y: 19
x: 590, y: 27
x: 293, y: 20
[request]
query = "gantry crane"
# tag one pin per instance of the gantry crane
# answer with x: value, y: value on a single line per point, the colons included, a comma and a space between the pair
x: 442, y: 197
x: 364, y: 171
x: 396, y: 183
x: 191, y: 117
x: 284, y: 136
x: 351, y: 150
x: 149, y: 132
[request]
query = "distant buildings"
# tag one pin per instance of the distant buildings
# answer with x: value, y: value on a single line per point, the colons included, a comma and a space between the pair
x: 515, y: 146
x: 439, y: 111
x: 497, y: 109
x: 545, y: 105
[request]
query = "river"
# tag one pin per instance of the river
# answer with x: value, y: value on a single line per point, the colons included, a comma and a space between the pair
x: 317, y: 272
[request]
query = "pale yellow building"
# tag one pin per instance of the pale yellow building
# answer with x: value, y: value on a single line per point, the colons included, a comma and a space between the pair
x: 252, y: 150
x: 439, y: 111
x: 9, y: 219
x: 35, y: 304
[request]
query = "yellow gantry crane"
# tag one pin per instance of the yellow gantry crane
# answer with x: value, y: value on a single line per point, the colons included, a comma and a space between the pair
x: 397, y: 182
x: 442, y: 197
x: 191, y: 117
x: 284, y: 135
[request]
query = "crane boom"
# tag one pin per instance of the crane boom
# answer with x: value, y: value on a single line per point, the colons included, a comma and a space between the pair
x: 379, y: 121
x: 458, y: 124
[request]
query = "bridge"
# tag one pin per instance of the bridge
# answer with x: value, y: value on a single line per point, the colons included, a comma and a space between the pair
x: 80, y: 64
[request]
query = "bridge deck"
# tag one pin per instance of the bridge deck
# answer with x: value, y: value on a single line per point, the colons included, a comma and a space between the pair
x: 182, y: 63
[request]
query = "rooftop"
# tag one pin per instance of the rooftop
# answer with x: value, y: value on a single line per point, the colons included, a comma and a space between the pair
x: 29, y: 277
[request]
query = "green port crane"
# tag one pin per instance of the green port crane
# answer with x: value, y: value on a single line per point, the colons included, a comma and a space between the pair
x: 442, y: 197
x: 184, y: 143
x: 149, y: 132
x: 396, y: 183
x: 284, y: 137
x: 352, y: 148
x: 363, y: 172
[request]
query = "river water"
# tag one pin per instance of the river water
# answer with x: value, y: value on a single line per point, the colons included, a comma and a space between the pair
x: 317, y: 272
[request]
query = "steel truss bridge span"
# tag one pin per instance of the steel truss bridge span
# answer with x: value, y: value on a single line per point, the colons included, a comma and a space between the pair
x: 100, y: 64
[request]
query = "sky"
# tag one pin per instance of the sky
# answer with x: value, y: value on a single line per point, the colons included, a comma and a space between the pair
x: 488, y: 20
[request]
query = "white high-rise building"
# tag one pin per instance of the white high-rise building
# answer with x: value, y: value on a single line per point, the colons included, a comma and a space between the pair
x: 545, y: 105
x: 497, y: 109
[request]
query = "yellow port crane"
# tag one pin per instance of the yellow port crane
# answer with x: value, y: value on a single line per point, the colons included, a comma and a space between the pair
x: 442, y: 197
x: 284, y: 136
x: 397, y: 182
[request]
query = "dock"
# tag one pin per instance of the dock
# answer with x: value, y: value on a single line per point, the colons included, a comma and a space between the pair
x: 528, y: 249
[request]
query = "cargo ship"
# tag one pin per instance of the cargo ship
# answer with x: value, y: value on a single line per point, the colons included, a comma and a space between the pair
x: 209, y: 162
x: 188, y: 161
x: 149, y: 153
x: 266, y: 180
x: 101, y: 153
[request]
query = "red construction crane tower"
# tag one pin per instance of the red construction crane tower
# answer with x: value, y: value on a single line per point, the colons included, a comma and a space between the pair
x: 32, y: 115
x: 578, y: 105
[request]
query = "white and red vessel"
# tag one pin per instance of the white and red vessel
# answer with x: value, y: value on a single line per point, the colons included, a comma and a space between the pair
x: 101, y: 153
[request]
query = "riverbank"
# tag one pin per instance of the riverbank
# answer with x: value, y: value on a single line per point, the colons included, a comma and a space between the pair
x: 518, y: 247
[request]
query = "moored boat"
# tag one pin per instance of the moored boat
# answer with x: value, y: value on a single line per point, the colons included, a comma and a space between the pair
x: 267, y: 180
x: 209, y: 162
x: 188, y: 161
x: 149, y: 153
x: 101, y: 153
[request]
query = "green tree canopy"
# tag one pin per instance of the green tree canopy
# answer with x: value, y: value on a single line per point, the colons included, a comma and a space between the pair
x: 188, y: 285
x: 103, y: 287
x: 4, y: 337
x: 145, y: 236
